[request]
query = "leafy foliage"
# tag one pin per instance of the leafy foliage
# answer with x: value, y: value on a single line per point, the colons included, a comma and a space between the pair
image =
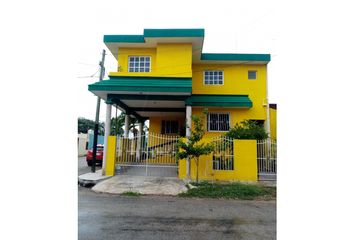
x: 85, y: 124
x: 248, y: 129
x: 117, y: 125
x: 193, y: 149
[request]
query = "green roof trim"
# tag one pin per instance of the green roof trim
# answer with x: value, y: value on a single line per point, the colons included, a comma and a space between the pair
x: 124, y: 38
x: 219, y: 101
x: 144, y: 84
x: 235, y: 57
x: 153, y: 33
x: 173, y: 33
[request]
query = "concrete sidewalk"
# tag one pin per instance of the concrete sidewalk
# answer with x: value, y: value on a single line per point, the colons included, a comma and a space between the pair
x: 92, y: 178
x: 141, y: 184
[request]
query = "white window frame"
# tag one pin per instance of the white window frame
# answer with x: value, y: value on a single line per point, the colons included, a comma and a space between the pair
x: 212, y: 80
x: 208, y: 121
x: 248, y: 74
x: 139, y: 63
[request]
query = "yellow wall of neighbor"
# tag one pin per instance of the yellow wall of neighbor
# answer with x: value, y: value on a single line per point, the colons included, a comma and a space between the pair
x: 167, y: 60
x: 273, y: 123
x: 111, y: 156
x: 245, y: 165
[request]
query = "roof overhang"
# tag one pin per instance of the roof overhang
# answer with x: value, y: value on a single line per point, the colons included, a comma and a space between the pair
x: 233, y: 58
x: 152, y: 37
x: 145, y: 96
x: 142, y: 86
x: 145, y: 106
x: 239, y: 101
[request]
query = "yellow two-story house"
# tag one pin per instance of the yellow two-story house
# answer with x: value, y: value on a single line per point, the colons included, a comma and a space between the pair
x: 163, y: 76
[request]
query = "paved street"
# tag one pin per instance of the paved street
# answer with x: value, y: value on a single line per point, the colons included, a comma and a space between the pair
x: 105, y: 216
x: 82, y: 166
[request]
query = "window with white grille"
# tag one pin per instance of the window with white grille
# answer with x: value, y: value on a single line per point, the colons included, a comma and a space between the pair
x: 218, y: 122
x: 139, y: 64
x: 213, y: 77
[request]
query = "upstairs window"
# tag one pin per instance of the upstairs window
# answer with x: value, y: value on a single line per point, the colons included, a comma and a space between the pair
x: 168, y: 126
x: 252, y: 75
x: 139, y: 64
x: 213, y: 77
x: 218, y: 122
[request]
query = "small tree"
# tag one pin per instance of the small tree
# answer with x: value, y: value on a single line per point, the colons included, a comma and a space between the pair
x: 248, y: 129
x: 193, y: 149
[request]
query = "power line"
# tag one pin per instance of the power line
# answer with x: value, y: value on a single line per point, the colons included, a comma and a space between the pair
x: 91, y: 76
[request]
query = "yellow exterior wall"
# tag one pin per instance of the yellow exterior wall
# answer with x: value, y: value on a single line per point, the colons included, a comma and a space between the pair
x: 236, y: 115
x: 246, y: 160
x: 245, y: 165
x: 155, y: 123
x: 167, y: 60
x: 273, y: 123
x: 111, y: 156
x: 235, y: 82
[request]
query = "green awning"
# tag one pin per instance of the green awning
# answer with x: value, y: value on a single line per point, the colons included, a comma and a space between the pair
x: 144, y: 84
x: 219, y: 101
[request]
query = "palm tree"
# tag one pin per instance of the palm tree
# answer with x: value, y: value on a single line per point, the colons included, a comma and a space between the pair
x: 117, y: 125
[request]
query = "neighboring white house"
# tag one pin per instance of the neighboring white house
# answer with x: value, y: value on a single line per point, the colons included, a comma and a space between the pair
x: 82, y: 142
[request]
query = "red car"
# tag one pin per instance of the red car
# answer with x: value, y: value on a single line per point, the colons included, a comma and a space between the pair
x: 99, y: 155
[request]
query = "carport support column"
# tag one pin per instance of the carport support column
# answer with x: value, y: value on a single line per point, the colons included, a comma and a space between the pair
x: 126, y: 125
x: 188, y: 134
x: 138, y: 146
x: 107, y: 132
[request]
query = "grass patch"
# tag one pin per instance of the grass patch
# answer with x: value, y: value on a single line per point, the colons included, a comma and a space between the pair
x: 232, y: 191
x: 131, y: 194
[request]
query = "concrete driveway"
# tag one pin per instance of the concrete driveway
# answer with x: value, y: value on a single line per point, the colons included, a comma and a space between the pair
x: 141, y: 184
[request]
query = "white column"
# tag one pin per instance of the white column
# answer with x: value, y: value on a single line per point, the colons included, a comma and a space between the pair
x: 138, y: 146
x: 107, y: 131
x: 188, y: 134
x: 188, y: 121
x: 126, y: 125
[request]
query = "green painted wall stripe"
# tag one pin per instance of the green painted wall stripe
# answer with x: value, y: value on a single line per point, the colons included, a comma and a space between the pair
x: 173, y: 32
x: 235, y: 57
x: 124, y: 38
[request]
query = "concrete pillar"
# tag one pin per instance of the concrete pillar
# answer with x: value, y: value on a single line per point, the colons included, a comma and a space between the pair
x: 188, y: 121
x: 188, y: 134
x: 126, y: 125
x: 107, y: 131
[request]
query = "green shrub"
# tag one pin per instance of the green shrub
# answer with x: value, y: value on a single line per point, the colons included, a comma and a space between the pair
x: 247, y: 129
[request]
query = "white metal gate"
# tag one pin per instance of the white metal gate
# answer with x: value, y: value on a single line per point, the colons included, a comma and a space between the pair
x: 150, y: 155
x: 267, y: 159
x: 223, y: 154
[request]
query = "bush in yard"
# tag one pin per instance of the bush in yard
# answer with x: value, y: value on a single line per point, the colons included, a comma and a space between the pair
x: 247, y: 129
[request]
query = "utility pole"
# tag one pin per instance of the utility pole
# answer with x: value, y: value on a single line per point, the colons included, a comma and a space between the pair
x: 95, y: 133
